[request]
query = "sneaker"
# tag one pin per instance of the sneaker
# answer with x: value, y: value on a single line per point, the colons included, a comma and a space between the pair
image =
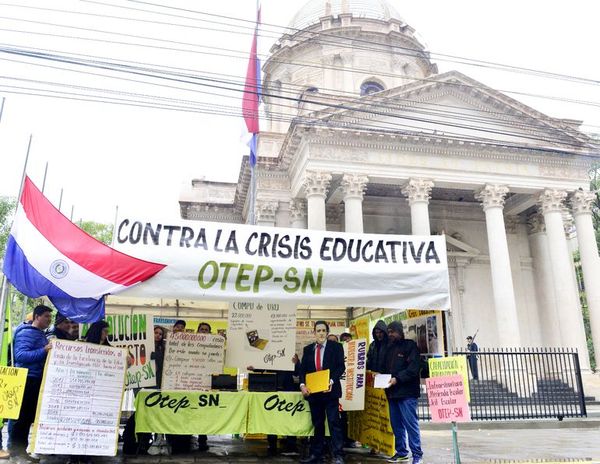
x: 417, y: 460
x: 398, y: 458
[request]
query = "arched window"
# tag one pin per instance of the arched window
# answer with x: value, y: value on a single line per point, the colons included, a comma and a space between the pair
x: 369, y: 87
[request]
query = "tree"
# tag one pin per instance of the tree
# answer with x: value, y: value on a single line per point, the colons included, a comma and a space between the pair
x: 7, y: 208
x: 99, y: 231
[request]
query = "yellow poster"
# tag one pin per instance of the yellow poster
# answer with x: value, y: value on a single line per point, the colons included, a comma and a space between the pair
x: 451, y: 365
x: 372, y: 425
x: 359, y: 328
x: 12, y: 386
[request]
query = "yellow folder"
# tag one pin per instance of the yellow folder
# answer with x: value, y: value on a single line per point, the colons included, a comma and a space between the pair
x: 318, y: 381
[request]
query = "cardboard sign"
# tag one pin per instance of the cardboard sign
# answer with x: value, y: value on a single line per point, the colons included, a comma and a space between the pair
x: 135, y: 333
x: 447, y: 399
x: 261, y: 335
x: 355, y: 378
x: 12, y: 386
x: 372, y: 425
x: 191, y: 359
x: 450, y: 365
x: 80, y: 400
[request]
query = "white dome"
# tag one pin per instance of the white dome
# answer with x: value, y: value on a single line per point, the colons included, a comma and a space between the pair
x: 313, y: 10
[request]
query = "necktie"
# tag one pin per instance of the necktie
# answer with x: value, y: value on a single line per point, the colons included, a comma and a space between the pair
x: 318, y: 360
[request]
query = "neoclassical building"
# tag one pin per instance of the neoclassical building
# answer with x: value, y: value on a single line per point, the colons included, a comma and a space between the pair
x: 362, y: 134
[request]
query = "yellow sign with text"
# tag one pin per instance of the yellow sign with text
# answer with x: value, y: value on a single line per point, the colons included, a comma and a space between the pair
x: 372, y: 425
x: 451, y: 365
x: 12, y: 386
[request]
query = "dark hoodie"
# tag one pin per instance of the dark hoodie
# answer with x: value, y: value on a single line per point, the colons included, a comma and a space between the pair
x: 403, y: 362
x: 377, y: 349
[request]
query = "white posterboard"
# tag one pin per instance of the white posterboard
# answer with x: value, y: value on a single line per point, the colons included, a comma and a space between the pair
x: 190, y: 359
x: 261, y: 335
x: 80, y: 400
x: 354, y: 379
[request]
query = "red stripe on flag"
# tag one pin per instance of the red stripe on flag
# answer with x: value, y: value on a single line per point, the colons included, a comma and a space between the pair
x: 250, y: 100
x: 80, y: 247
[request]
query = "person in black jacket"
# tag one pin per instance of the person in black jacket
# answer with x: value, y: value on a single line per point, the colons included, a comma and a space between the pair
x: 317, y: 356
x: 402, y: 361
x: 158, y: 355
x: 377, y: 348
x: 61, y: 329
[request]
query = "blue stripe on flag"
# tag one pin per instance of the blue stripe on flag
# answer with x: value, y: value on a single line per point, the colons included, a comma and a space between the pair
x: 25, y: 278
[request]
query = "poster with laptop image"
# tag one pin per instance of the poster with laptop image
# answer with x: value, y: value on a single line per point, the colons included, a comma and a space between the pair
x: 261, y: 334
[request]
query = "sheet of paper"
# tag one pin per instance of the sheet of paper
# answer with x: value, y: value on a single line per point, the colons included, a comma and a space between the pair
x: 382, y: 380
x: 80, y: 400
x: 318, y: 381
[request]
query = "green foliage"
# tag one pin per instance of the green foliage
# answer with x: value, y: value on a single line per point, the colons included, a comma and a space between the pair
x: 99, y: 231
x: 7, y: 208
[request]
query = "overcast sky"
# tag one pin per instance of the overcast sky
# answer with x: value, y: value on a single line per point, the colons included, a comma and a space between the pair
x: 104, y: 155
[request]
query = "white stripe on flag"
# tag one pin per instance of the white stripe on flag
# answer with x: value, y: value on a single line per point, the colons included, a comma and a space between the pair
x: 41, y: 254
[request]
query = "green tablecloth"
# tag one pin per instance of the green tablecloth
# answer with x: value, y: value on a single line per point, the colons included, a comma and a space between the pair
x: 219, y: 413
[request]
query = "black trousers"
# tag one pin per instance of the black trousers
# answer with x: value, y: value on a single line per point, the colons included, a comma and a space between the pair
x: 19, y: 429
x: 325, y: 405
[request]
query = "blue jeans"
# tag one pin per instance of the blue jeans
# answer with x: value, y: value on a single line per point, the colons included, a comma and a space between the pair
x: 404, y: 421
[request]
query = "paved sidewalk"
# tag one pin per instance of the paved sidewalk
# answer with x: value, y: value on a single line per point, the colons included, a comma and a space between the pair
x: 546, y: 443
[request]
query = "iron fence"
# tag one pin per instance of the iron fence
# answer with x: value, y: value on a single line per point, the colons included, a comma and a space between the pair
x: 530, y: 383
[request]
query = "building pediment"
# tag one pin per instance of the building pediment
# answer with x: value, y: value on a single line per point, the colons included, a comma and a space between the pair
x: 454, y: 106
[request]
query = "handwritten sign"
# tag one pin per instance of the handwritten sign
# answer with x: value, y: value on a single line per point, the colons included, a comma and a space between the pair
x: 80, y: 404
x: 354, y: 379
x: 134, y: 332
x: 12, y: 386
x: 448, y: 399
x: 450, y: 365
x: 261, y: 335
x: 191, y: 359
x: 372, y: 425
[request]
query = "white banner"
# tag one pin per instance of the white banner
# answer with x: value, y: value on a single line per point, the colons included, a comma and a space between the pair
x: 261, y: 335
x: 80, y: 400
x: 191, y: 359
x: 355, y: 378
x: 239, y: 262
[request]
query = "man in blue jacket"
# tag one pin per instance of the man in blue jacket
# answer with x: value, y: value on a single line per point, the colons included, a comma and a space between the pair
x: 30, y: 349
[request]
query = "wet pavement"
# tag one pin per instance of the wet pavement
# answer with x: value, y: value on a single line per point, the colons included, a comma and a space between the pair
x: 497, y: 443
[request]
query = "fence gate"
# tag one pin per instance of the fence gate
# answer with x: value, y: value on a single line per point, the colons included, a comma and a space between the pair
x: 523, y: 384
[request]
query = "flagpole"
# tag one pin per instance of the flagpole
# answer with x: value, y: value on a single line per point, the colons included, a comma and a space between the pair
x: 254, y: 141
x: 112, y: 243
x: 4, y: 291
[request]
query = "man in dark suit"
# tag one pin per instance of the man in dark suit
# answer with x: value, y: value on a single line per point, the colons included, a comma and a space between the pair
x: 317, y: 356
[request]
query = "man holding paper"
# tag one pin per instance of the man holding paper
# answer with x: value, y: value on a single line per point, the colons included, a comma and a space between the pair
x: 402, y: 362
x: 321, y: 369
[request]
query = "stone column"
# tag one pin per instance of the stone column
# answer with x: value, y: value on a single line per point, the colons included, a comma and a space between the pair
x: 265, y: 213
x: 492, y: 198
x: 567, y: 295
x: 298, y: 213
x: 581, y: 203
x: 418, y: 192
x: 544, y: 283
x: 316, y: 184
x: 353, y: 187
